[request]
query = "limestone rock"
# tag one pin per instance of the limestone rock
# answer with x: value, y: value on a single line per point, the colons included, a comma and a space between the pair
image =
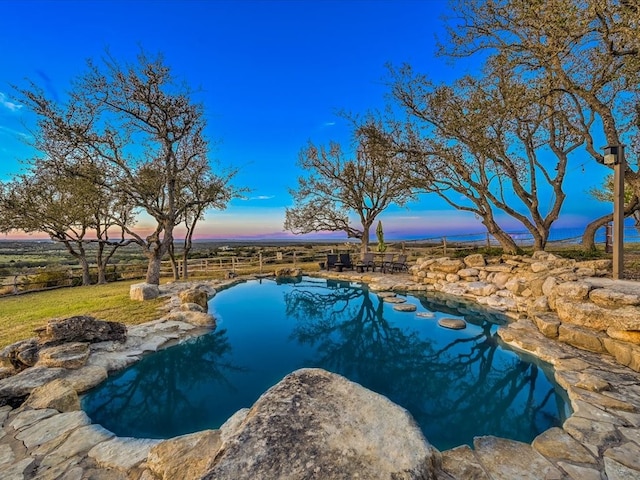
x: 20, y: 355
x: 508, y: 459
x: 590, y: 315
x: 182, y: 457
x: 625, y: 353
x: 452, y: 277
x: 288, y: 272
x: 631, y: 336
x: 577, y: 472
x: 318, y: 425
x: 14, y: 390
x: 475, y: 260
x: 539, y: 267
x: 448, y: 266
x: 192, y: 307
x: 394, y: 299
x: 58, y: 394
x: 549, y: 285
x: 558, y: 444
x: 452, y: 323
x: 122, y: 453
x: 80, y: 440
x: 589, y: 432
x: 608, y: 298
x: 81, y: 328
x: 548, y: 324
x: 617, y: 471
x: 144, y: 291
x: 627, y: 454
x: 405, y: 307
x: 67, y: 355
x: 468, y: 272
x: 462, y: 464
x: 592, y: 383
x: 516, y: 285
x: 52, y: 427
x: 573, y: 290
x: 197, y: 296
x: 481, y: 289
x: 86, y: 377
x: 584, y: 338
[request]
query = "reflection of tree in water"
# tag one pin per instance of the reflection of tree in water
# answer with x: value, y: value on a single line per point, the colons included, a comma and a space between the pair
x: 160, y: 387
x: 464, y: 388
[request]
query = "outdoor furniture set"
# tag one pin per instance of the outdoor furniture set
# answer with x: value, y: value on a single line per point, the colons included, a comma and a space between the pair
x: 385, y: 263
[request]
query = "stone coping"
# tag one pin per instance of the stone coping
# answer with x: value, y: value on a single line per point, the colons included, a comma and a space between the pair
x: 601, y: 440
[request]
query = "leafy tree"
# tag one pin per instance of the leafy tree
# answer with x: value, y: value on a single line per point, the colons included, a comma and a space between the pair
x: 144, y: 132
x: 72, y: 210
x: 336, y: 185
x: 484, y: 145
x: 605, y: 194
x: 586, y: 51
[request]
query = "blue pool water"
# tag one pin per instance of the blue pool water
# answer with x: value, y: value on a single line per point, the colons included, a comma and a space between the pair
x: 457, y: 384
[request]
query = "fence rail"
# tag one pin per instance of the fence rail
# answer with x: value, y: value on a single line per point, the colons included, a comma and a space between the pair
x: 223, y: 265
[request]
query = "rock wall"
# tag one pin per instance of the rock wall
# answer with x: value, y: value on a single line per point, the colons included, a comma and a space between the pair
x: 567, y: 299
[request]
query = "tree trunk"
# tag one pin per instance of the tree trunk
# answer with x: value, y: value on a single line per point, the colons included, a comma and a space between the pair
x: 174, y: 263
x: 157, y: 248
x: 506, y: 242
x: 153, y: 269
x: 86, y: 274
x: 101, y: 265
x: 364, y: 240
x: 589, y: 235
x: 540, y: 239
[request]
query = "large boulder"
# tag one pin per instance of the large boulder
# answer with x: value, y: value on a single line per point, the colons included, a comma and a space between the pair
x: 144, y: 291
x: 81, y: 329
x: 20, y: 355
x: 317, y: 425
x: 58, y: 394
x: 68, y: 355
x: 197, y: 296
x: 15, y: 389
x: 181, y: 457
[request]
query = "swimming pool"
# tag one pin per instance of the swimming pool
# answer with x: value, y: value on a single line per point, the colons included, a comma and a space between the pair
x: 457, y: 384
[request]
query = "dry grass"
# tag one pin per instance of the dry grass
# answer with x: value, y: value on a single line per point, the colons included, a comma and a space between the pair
x: 20, y: 315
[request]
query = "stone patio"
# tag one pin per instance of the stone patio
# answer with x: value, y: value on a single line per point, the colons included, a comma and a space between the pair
x: 48, y: 437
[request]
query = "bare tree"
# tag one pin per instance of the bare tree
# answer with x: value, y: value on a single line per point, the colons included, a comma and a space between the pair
x: 485, y: 146
x: 143, y: 130
x: 587, y: 51
x: 202, y: 190
x: 337, y: 185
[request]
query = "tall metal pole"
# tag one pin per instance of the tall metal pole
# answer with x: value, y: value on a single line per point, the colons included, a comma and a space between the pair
x: 618, y: 213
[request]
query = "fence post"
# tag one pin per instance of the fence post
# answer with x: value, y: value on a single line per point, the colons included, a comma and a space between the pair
x: 294, y: 258
x: 444, y: 245
x: 260, y: 255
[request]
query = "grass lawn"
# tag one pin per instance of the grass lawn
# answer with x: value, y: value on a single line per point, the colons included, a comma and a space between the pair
x: 19, y: 315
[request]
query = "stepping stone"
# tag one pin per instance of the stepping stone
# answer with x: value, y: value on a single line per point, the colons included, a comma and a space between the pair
x: 386, y: 294
x: 425, y: 314
x: 452, y: 323
x: 405, y: 307
x: 394, y: 299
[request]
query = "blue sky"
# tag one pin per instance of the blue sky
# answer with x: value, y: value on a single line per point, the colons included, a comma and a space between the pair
x: 271, y: 74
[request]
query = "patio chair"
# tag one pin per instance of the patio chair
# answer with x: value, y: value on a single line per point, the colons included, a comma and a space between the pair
x: 345, y: 260
x: 400, y: 264
x: 386, y: 263
x: 332, y: 259
x: 369, y: 261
